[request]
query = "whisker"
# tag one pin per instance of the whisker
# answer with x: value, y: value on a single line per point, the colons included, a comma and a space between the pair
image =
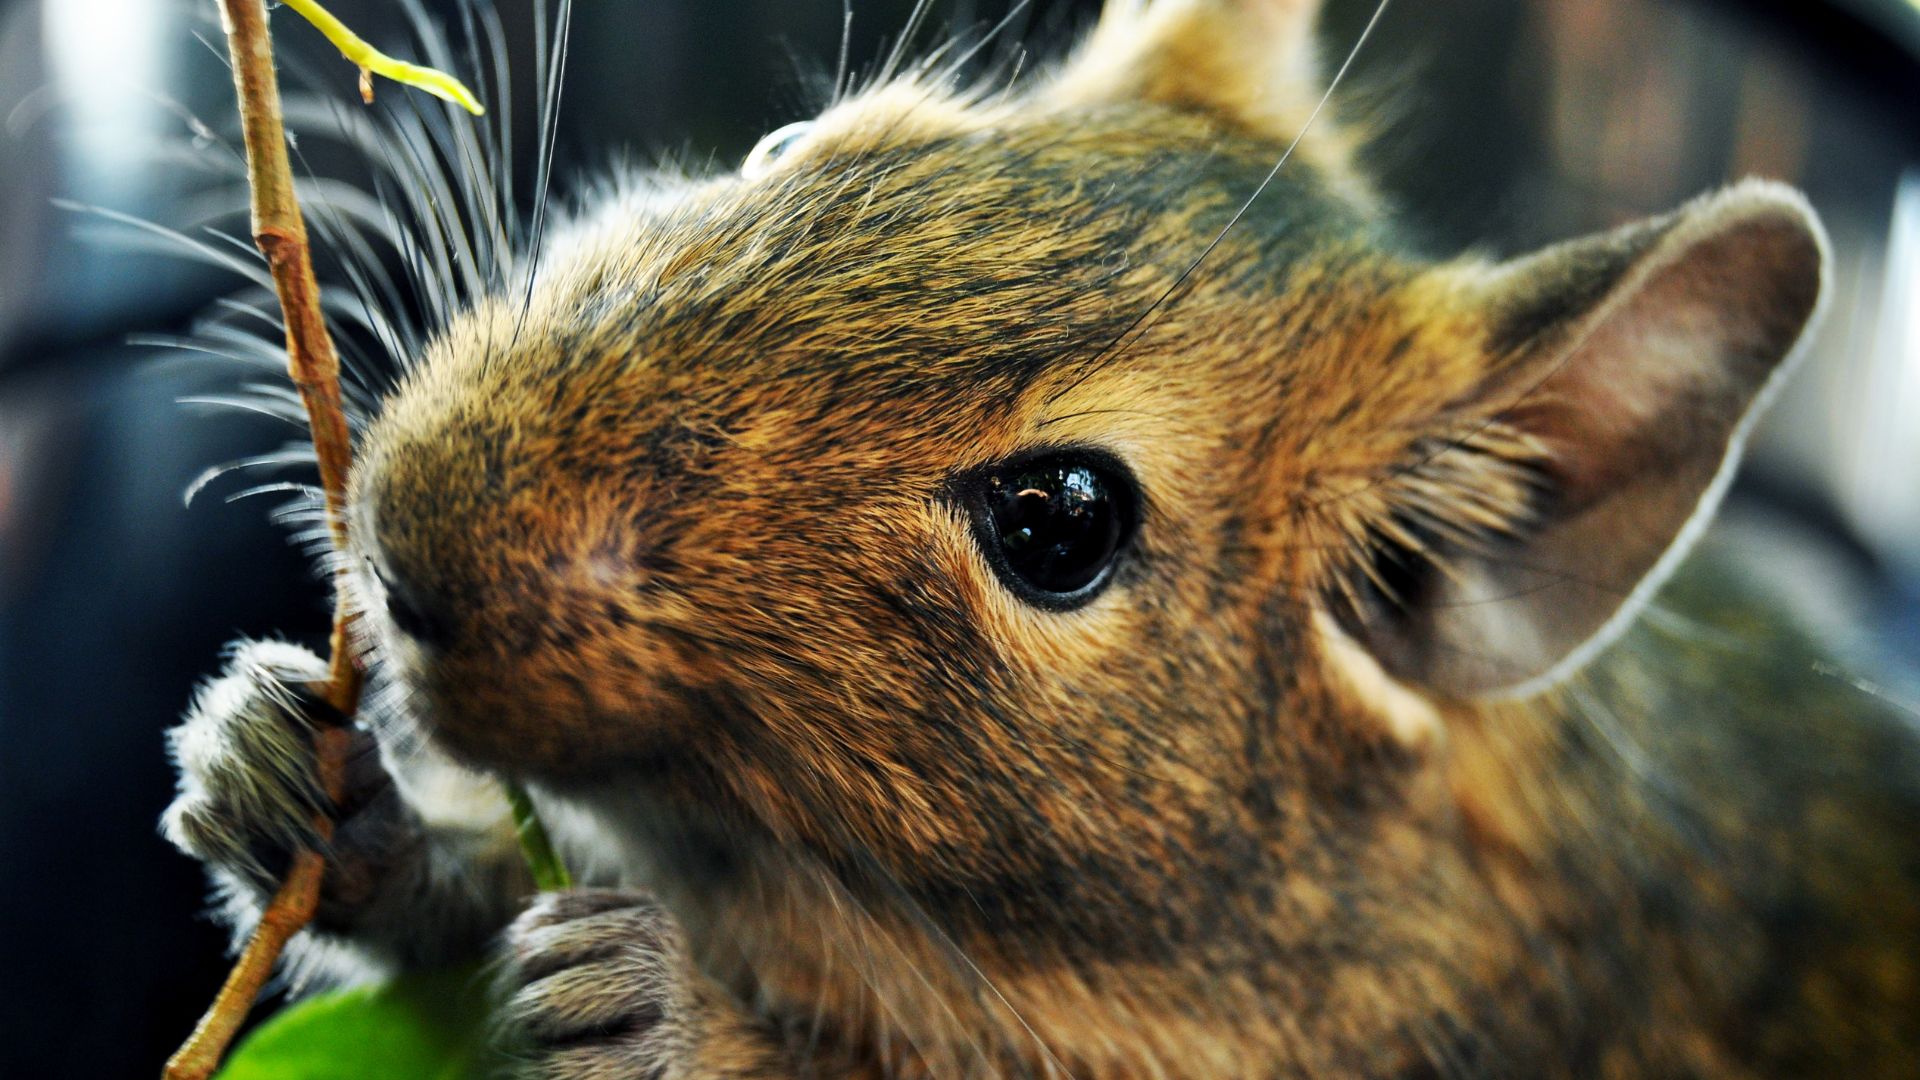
x: 254, y: 270
x: 270, y: 489
x: 916, y: 18
x: 926, y: 924
x: 840, y: 72
x: 992, y: 35
x: 461, y: 143
x: 555, y: 67
x: 244, y: 404
x: 291, y: 454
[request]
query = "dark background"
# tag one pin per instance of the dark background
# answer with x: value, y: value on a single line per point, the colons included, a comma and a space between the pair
x: 1506, y: 124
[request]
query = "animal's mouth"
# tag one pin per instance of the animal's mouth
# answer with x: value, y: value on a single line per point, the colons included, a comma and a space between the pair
x: 528, y: 724
x: 573, y: 724
x: 540, y: 673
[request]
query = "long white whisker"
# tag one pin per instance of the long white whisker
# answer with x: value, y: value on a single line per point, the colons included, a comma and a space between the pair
x: 916, y: 18
x: 549, y: 134
x: 293, y: 454
x: 253, y: 270
x: 840, y: 71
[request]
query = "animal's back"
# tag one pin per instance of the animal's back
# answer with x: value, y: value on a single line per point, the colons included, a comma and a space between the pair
x: 1714, y: 837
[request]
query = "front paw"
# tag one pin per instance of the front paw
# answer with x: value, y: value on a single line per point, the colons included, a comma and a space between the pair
x: 596, y: 988
x: 249, y: 792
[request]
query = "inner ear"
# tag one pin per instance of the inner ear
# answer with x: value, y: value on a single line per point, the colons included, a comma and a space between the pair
x: 1621, y: 374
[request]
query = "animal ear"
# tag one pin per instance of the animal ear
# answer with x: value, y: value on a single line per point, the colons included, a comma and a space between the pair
x: 1252, y: 61
x: 1620, y: 375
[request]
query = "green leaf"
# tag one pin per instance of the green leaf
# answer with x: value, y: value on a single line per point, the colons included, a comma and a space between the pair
x: 418, y: 1027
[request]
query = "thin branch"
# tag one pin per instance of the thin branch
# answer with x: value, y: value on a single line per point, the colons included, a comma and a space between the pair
x: 290, y: 910
x: 281, y: 235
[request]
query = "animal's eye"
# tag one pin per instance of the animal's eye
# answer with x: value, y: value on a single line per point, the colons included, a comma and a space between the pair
x: 771, y: 145
x: 1054, y: 526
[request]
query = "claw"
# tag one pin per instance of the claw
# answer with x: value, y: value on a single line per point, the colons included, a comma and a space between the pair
x: 596, y: 985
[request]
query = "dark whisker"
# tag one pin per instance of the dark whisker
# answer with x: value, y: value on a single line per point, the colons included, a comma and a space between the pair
x: 993, y: 34
x: 916, y: 18
x: 1063, y: 417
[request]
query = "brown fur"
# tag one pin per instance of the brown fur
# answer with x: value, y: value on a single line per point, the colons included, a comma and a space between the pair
x: 677, y: 545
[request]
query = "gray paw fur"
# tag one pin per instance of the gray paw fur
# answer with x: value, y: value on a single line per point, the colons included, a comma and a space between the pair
x: 595, y: 988
x: 248, y: 793
x: 245, y: 760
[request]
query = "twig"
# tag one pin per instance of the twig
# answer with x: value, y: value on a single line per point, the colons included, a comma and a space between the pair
x: 281, y: 235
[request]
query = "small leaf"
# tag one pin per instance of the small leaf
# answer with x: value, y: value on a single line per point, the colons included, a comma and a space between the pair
x: 429, y: 1026
x: 371, y: 60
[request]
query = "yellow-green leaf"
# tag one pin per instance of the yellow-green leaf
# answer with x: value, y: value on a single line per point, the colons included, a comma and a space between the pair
x: 359, y: 52
x: 420, y: 1027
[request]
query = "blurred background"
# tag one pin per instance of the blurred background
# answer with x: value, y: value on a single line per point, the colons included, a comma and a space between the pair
x: 1508, y: 123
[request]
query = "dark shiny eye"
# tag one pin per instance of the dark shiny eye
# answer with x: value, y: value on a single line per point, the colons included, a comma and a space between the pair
x: 1054, y: 526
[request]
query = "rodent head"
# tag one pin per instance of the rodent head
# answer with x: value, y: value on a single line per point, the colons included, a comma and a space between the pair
x: 711, y: 509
